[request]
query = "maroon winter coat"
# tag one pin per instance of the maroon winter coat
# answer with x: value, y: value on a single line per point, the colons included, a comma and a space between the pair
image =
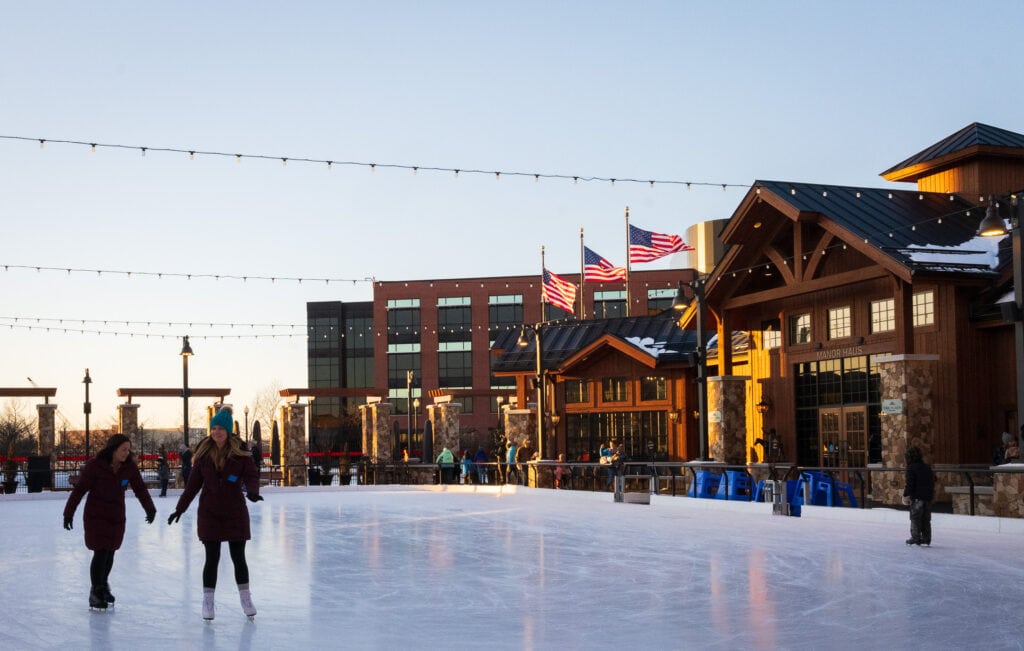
x: 223, y: 515
x: 104, y: 516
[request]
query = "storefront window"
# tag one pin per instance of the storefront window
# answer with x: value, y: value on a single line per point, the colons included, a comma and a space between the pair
x: 924, y: 308
x: 800, y: 329
x: 883, y: 315
x: 839, y: 322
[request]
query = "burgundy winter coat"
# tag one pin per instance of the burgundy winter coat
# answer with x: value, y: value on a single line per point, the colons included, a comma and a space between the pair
x: 223, y: 515
x: 104, y: 516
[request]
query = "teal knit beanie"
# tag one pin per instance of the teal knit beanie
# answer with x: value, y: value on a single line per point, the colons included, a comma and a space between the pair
x: 224, y: 419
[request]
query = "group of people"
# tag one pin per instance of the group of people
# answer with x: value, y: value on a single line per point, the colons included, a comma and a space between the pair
x: 223, y: 475
x: 1008, y: 451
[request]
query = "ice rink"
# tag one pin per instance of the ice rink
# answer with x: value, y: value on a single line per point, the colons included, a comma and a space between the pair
x: 425, y: 568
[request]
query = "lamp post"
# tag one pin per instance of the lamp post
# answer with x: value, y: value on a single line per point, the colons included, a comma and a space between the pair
x: 408, y: 407
x: 246, y: 412
x: 186, y: 352
x: 994, y: 226
x: 538, y: 338
x: 415, y: 421
x: 499, y: 400
x: 680, y: 303
x: 87, y: 408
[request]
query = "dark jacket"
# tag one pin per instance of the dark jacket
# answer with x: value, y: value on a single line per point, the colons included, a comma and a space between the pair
x: 223, y: 515
x: 104, y: 515
x: 920, y: 482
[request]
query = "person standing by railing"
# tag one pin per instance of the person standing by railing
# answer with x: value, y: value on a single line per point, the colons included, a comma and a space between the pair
x: 918, y: 495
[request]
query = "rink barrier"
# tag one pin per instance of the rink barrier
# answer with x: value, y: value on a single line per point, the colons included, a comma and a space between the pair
x: 969, y: 489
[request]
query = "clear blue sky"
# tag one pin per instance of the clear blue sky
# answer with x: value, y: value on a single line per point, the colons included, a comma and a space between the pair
x: 717, y: 92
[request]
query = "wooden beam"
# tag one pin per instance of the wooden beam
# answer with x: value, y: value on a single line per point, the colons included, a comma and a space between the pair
x: 128, y: 392
x: 835, y: 280
x: 27, y: 392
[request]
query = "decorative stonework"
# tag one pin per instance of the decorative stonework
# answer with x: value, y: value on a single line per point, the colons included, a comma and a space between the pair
x: 519, y: 425
x: 907, y: 381
x: 293, y: 444
x: 379, y: 441
x: 47, y: 428
x: 727, y: 418
x: 444, y: 421
x: 128, y: 419
x: 1008, y: 489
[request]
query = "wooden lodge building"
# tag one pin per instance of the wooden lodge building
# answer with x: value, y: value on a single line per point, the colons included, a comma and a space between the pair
x: 860, y: 321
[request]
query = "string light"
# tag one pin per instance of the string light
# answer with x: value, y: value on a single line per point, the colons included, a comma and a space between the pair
x: 576, y: 178
x: 187, y: 276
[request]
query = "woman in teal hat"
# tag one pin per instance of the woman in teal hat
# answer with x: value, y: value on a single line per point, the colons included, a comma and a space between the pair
x: 220, y: 469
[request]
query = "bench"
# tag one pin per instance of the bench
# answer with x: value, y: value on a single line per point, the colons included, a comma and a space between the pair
x: 981, y: 504
x: 271, y: 477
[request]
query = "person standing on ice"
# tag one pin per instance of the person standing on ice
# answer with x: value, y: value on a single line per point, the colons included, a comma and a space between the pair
x: 220, y: 469
x: 918, y: 495
x: 106, y: 479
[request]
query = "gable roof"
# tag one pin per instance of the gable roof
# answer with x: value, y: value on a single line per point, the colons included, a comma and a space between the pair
x: 975, y: 135
x: 657, y: 336
x: 919, y: 230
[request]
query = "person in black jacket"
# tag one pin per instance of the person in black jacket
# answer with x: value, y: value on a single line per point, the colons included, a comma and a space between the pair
x: 918, y: 495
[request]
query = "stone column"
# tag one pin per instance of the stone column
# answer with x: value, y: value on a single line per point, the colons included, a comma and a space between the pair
x: 128, y: 420
x: 907, y: 385
x: 727, y: 418
x: 1006, y: 495
x: 382, y: 439
x: 519, y: 425
x: 444, y: 421
x: 366, y: 428
x: 293, y: 444
x: 47, y: 428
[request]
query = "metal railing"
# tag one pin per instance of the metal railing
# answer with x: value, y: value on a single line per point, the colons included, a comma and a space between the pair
x: 660, y: 476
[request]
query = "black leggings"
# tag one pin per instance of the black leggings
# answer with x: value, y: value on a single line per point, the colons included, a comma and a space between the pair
x: 99, y: 569
x: 237, y: 550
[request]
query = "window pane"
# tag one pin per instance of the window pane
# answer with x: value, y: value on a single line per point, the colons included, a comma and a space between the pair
x: 653, y: 388
x: 924, y: 309
x: 839, y: 322
x: 883, y: 315
x: 800, y: 329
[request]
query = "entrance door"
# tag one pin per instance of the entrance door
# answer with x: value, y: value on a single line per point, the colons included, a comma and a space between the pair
x: 843, y: 436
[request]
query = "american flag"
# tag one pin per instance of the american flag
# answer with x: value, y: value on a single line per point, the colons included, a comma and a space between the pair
x: 557, y: 291
x: 645, y: 246
x: 600, y: 269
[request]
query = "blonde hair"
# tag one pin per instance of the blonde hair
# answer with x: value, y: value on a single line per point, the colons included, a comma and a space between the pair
x: 231, y: 448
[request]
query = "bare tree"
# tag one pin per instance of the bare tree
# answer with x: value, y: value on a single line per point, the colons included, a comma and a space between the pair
x: 16, y: 429
x: 264, y: 405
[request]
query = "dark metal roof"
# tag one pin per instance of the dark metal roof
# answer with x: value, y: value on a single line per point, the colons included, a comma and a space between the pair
x: 659, y: 334
x: 905, y: 224
x: 972, y: 135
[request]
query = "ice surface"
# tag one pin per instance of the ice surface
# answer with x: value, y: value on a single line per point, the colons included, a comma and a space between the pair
x: 425, y: 568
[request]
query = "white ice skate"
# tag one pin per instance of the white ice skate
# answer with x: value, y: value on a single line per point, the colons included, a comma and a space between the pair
x: 208, y: 605
x: 247, y: 606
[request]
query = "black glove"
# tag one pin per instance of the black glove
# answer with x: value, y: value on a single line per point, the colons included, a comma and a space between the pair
x: 254, y: 498
x: 150, y: 516
x: 68, y: 522
x: 174, y: 518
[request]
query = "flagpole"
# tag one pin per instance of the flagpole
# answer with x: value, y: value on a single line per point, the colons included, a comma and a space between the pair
x: 583, y: 291
x: 542, y: 268
x: 627, y: 262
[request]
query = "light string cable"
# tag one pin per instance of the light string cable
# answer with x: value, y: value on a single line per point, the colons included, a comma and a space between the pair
x: 330, y: 163
x: 187, y: 276
x: 69, y: 329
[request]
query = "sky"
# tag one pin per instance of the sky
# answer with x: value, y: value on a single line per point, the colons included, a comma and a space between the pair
x: 713, y: 93
x: 430, y: 567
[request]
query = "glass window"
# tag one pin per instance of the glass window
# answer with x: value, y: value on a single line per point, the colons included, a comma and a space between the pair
x: 359, y: 372
x: 359, y: 334
x: 609, y: 305
x: 453, y: 301
x: 577, y: 391
x: 614, y: 389
x: 771, y: 334
x: 323, y: 333
x: 839, y: 322
x: 397, y: 303
x: 653, y: 388
x: 455, y: 370
x: 800, y: 329
x: 883, y: 315
x: 503, y: 312
x: 924, y: 308
x: 659, y: 300
x: 323, y: 372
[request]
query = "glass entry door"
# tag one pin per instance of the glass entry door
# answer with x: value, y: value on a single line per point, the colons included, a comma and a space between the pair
x: 843, y: 437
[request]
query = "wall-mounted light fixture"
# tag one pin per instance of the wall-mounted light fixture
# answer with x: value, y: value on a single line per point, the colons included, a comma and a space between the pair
x: 673, y: 415
x: 764, y: 406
